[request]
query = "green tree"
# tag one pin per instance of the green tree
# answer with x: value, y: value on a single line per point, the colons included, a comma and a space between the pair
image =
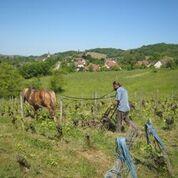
x: 10, y: 81
x: 35, y: 69
x: 33, y: 82
x: 57, y: 81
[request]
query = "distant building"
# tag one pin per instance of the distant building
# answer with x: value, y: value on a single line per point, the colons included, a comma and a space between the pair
x: 167, y: 60
x: 49, y: 55
x: 110, y: 63
x: 80, y: 64
x: 57, y: 66
x: 142, y: 63
x: 151, y: 64
x: 158, y: 64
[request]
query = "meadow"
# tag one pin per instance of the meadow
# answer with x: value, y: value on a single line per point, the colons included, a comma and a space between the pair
x: 141, y: 82
x: 155, y: 96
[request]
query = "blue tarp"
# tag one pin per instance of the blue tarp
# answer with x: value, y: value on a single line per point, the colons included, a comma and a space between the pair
x: 152, y: 131
x: 125, y: 156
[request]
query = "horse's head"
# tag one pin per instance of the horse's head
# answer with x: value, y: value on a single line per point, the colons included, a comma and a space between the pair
x: 25, y: 94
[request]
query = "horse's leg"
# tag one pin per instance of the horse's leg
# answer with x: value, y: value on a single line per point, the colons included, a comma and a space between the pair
x: 35, y: 111
x: 52, y: 113
x: 57, y: 122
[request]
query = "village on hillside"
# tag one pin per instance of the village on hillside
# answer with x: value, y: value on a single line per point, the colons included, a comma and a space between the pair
x: 154, y: 57
x: 94, y: 62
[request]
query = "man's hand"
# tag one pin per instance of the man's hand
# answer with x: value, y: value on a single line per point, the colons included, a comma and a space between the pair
x: 116, y: 102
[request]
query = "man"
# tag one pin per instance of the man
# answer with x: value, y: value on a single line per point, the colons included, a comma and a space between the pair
x: 123, y: 107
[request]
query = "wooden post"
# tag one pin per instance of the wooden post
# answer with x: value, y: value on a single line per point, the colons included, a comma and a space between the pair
x: 92, y: 107
x: 169, y: 166
x: 157, y: 95
x: 95, y: 95
x: 21, y: 106
x: 81, y: 101
x: 119, y: 166
x: 95, y: 101
x: 60, y: 102
x: 113, y: 172
x: 22, y: 112
x: 87, y: 140
x: 98, y: 107
x: 172, y: 93
x: 135, y: 96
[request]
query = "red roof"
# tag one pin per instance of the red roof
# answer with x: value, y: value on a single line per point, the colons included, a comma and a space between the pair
x: 80, y: 61
x: 111, y: 63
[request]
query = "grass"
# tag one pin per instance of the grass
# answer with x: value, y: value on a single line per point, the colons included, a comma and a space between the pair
x: 70, y: 157
x: 138, y: 82
x: 48, y: 158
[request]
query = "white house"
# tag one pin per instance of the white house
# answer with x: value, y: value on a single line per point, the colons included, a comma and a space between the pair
x: 158, y: 65
x: 57, y: 65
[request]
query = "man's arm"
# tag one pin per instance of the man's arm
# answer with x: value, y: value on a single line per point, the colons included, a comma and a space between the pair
x: 118, y: 97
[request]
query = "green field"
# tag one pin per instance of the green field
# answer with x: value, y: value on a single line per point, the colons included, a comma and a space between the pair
x: 138, y: 82
x: 70, y: 156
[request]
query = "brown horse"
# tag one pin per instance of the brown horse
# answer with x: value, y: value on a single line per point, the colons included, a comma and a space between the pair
x: 39, y: 99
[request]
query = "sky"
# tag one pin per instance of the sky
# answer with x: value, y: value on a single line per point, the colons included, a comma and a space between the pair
x: 35, y: 27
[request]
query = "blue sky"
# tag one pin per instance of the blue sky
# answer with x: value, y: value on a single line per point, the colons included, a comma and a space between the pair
x: 34, y: 27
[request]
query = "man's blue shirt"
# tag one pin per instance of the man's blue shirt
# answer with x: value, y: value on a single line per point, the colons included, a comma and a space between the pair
x: 122, y: 96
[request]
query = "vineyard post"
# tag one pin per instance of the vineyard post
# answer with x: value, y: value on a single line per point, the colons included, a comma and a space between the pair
x: 98, y: 107
x: 21, y: 106
x: 60, y: 103
x: 111, y: 99
x: 157, y: 94
x: 157, y: 97
x: 93, y: 109
x: 165, y: 155
x: 172, y: 93
x: 135, y: 96
x: 95, y: 95
x: 81, y: 101
x: 139, y: 100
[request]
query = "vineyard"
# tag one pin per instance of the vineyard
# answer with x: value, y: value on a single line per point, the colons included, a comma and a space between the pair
x: 85, y: 148
x: 88, y: 89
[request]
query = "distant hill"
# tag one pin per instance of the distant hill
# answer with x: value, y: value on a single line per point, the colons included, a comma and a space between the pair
x: 155, y: 51
x: 161, y: 49
x: 152, y: 52
x: 16, y: 60
x: 110, y: 52
x: 96, y: 55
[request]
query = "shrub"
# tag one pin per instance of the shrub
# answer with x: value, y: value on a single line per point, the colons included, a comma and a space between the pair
x: 57, y: 81
x: 170, y: 64
x: 35, y: 69
x: 34, y: 82
x: 10, y: 81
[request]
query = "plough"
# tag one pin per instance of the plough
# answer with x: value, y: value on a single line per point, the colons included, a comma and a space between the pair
x: 106, y: 119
